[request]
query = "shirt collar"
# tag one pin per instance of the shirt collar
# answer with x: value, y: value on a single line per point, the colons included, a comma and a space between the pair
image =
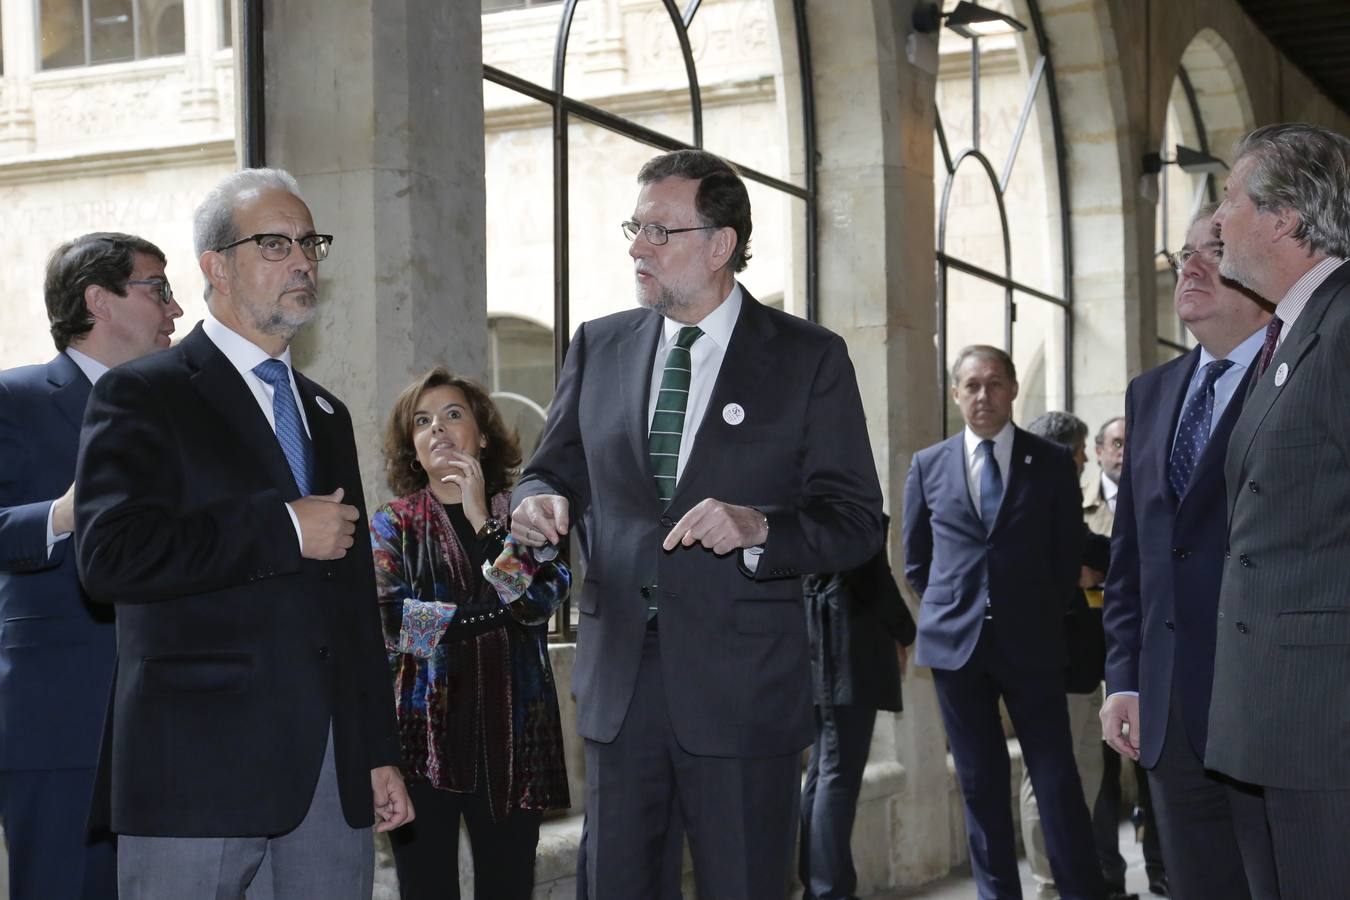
x: 1292, y: 303
x: 1002, y: 440
x: 1109, y: 488
x: 1241, y: 355
x: 717, y: 324
x: 242, y: 353
x: 92, y: 368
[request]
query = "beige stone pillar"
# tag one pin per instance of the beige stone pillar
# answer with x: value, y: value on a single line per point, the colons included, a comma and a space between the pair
x: 874, y: 128
x: 18, y: 132
x: 377, y: 108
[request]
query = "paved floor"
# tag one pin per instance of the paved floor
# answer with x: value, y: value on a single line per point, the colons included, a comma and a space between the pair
x: 960, y: 886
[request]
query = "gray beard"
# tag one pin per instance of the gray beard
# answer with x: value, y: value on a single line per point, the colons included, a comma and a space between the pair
x: 666, y: 304
x: 277, y: 322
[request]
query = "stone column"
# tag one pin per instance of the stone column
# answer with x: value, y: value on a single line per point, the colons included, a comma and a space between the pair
x: 201, y: 40
x: 874, y: 128
x: 18, y: 132
x: 377, y: 109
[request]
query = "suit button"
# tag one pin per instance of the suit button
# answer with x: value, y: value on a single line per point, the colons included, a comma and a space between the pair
x: 1228, y: 554
x: 1251, y: 485
x: 1245, y: 560
x: 323, y: 653
x: 646, y: 591
x: 1180, y: 552
x: 1241, y: 627
x: 327, y: 573
x: 667, y: 522
x: 1170, y: 626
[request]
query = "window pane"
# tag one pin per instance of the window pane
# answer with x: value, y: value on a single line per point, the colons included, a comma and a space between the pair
x: 112, y: 38
x: 161, y: 27
x: 974, y: 316
x: 974, y: 230
x: 520, y: 39
x: 1038, y: 353
x: 62, y: 26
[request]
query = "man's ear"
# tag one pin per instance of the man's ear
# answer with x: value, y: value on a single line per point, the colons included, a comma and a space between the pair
x: 723, y: 244
x: 214, y: 267
x: 1287, y: 222
x: 97, y: 301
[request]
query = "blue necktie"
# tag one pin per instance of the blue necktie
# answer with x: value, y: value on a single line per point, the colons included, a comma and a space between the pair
x: 991, y: 486
x: 1193, y: 428
x: 291, y: 434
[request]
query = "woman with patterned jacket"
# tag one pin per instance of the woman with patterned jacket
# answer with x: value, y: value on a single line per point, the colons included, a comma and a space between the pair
x: 477, y: 707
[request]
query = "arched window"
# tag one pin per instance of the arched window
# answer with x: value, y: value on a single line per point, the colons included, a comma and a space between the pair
x: 1004, y: 253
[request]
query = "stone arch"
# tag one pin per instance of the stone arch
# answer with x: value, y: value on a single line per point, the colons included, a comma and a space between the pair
x: 1220, y: 90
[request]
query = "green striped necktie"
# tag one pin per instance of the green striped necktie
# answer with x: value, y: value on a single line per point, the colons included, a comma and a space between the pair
x: 671, y: 403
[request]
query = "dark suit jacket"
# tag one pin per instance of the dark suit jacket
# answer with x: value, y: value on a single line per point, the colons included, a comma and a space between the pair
x: 733, y: 648
x: 1281, y: 710
x: 1162, y: 592
x: 854, y: 620
x: 1028, y: 564
x: 56, y: 649
x: 234, y: 654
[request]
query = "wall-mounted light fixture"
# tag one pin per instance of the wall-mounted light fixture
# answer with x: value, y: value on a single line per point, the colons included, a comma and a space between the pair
x: 970, y: 20
x: 1193, y: 162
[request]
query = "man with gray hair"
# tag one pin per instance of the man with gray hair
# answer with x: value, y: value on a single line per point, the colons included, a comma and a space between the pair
x: 218, y: 496
x: 1280, y: 715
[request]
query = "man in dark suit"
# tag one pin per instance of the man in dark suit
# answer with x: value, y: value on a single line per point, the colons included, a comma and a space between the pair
x: 108, y: 302
x: 859, y: 628
x: 1281, y: 711
x: 1162, y: 594
x: 993, y: 545
x: 251, y: 718
x: 711, y: 451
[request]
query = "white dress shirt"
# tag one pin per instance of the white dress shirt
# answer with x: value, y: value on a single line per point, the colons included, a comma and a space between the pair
x: 243, y: 354
x: 1003, y: 442
x: 1289, y: 308
x: 93, y: 370
x: 1109, y: 491
x: 706, y: 357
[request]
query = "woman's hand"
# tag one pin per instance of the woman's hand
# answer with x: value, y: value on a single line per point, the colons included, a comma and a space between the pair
x: 467, y: 475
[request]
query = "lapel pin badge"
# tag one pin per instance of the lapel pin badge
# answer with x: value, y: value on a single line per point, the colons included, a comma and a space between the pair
x: 1282, y: 374
x: 1027, y: 461
x: 324, y: 405
x: 733, y: 414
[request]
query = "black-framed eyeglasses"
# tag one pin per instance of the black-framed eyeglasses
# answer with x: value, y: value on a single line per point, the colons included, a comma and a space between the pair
x: 1211, y: 254
x: 165, y: 292
x: 657, y: 234
x: 276, y: 247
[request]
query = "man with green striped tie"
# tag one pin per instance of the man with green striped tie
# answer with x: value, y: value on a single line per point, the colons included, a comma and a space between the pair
x: 710, y: 451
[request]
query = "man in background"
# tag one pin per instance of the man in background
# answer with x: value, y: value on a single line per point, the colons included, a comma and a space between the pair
x: 108, y: 302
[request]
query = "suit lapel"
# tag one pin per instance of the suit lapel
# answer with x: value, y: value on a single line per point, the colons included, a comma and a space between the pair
x: 956, y: 473
x: 71, y: 388
x: 637, y: 356
x: 224, y: 390
x: 322, y: 436
x: 1016, y: 480
x: 1172, y: 397
x: 748, y: 358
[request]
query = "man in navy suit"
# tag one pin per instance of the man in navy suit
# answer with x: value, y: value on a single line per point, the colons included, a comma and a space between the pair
x: 993, y: 532
x: 1162, y: 594
x: 108, y: 302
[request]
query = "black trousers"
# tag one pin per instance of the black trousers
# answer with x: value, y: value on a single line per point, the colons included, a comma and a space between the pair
x: 426, y: 851
x: 1106, y: 816
x: 830, y: 801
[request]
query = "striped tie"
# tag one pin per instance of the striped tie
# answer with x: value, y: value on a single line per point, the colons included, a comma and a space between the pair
x: 291, y: 434
x: 671, y: 402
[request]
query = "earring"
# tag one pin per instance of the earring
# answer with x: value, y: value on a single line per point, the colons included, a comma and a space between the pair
x: 414, y: 465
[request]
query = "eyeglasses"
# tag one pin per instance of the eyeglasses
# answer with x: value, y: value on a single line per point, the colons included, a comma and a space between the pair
x: 165, y: 292
x: 1114, y: 444
x: 1210, y: 254
x: 276, y: 247
x: 657, y: 235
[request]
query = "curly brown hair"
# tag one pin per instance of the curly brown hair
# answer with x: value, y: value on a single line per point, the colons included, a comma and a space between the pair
x: 500, y: 458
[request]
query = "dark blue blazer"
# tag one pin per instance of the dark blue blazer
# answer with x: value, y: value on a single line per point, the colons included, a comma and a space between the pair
x: 1028, y: 564
x: 56, y: 649
x: 1162, y: 591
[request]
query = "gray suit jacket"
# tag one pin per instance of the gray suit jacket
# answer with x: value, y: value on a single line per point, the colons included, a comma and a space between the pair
x: 1280, y: 714
x: 733, y: 648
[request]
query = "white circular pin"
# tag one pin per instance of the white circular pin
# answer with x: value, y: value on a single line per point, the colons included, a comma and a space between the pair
x: 733, y: 414
x: 324, y: 405
x: 1282, y: 374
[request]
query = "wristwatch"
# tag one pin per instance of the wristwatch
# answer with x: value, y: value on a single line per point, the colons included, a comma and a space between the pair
x: 493, y: 528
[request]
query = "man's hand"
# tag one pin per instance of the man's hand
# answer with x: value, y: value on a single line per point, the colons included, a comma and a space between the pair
x: 902, y: 653
x: 326, y: 525
x: 392, y: 804
x: 63, y: 512
x: 1120, y: 724
x: 1089, y: 577
x: 720, y: 527
x: 539, y: 520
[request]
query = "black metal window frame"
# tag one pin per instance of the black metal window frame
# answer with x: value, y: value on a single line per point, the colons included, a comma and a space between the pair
x: 1207, y: 189
x: 1042, y: 73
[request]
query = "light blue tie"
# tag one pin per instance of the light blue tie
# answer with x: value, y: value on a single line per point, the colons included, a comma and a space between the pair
x: 291, y: 433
